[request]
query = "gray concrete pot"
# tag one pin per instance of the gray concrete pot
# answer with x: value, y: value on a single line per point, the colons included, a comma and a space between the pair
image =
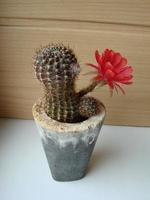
x: 68, y: 146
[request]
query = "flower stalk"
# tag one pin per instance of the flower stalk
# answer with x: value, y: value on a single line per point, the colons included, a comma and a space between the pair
x: 91, y: 87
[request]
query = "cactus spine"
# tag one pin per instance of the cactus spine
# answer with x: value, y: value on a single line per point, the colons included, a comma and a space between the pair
x: 57, y: 68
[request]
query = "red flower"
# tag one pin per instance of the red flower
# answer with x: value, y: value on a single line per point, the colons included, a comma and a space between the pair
x: 113, y: 69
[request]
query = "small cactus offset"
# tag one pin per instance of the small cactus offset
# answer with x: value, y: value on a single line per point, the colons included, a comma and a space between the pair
x: 57, y: 68
x: 89, y: 106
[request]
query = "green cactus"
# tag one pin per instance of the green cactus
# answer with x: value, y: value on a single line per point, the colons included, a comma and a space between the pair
x: 89, y: 106
x: 57, y: 68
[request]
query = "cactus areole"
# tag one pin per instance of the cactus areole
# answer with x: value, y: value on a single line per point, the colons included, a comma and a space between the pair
x: 68, y: 120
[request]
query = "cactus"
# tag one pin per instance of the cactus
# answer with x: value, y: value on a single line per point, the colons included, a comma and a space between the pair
x: 56, y: 67
x: 89, y: 106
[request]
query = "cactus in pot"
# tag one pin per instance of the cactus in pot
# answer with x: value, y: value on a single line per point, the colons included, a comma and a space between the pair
x: 69, y: 121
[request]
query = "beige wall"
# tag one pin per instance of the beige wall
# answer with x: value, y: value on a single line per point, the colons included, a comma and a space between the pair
x: 85, y: 25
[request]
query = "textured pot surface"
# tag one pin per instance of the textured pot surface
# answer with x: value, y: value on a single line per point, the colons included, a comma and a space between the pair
x: 68, y: 146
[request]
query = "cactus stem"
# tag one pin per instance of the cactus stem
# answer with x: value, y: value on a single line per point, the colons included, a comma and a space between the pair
x: 90, y: 88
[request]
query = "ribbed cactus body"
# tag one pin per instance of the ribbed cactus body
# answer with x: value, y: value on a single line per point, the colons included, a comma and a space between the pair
x: 62, y: 103
x: 56, y: 68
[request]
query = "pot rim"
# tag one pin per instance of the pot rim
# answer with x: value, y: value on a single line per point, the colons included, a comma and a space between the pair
x: 46, y: 122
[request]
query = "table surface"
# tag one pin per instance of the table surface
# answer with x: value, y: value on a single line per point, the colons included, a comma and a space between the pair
x: 119, y: 168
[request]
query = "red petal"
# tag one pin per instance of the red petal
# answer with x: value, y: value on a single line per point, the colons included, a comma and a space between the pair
x: 122, y: 63
x: 108, y: 65
x: 91, y: 65
x: 117, y: 58
x: 127, y: 82
x: 121, y: 69
x: 111, y: 54
x: 107, y: 54
x: 126, y: 71
x: 121, y: 77
x: 97, y: 56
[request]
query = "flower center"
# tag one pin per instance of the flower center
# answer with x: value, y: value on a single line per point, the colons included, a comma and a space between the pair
x: 109, y: 74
